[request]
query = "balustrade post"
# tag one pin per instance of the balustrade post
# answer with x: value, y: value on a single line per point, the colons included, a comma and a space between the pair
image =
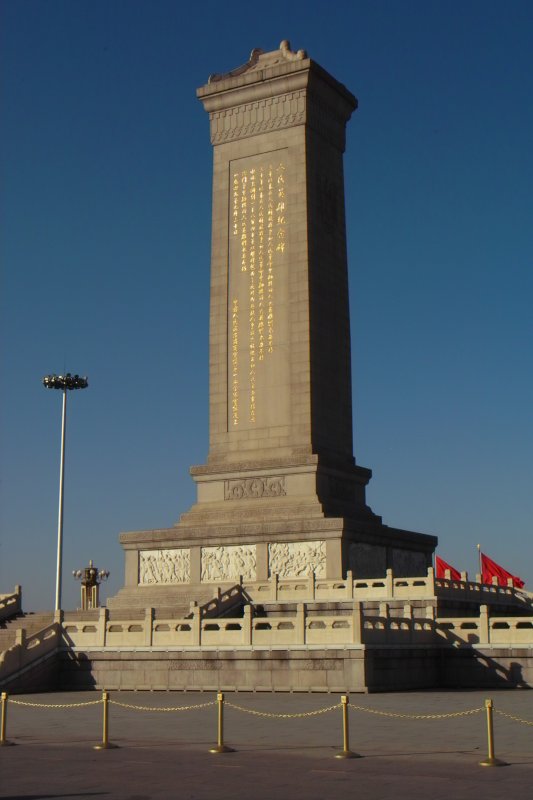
x: 389, y: 584
x: 349, y: 585
x: 484, y: 629
x: 247, y: 626
x: 102, y: 626
x: 357, y: 623
x: 148, y: 626
x: 384, y: 612
x: 431, y: 582
x: 196, y: 627
x: 408, y: 614
x: 300, y: 623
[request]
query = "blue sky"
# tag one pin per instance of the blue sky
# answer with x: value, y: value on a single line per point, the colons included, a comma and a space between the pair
x: 105, y: 205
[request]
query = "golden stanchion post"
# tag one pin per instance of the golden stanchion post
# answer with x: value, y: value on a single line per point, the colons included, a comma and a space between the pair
x: 3, y: 741
x: 346, y: 752
x: 491, y: 760
x: 221, y: 747
x: 105, y: 744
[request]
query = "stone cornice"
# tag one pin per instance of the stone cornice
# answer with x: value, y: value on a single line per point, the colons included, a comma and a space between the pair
x: 283, y: 95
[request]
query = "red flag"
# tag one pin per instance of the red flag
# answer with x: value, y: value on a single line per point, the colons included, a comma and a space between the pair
x: 490, y: 569
x: 441, y: 566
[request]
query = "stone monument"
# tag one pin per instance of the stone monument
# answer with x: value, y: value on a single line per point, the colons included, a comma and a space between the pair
x: 281, y: 493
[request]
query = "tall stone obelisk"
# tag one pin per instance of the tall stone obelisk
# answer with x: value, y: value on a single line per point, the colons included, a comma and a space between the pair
x: 280, y: 373
x: 280, y: 492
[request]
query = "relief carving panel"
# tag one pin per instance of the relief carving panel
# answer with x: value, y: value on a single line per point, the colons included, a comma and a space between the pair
x: 246, y: 488
x: 297, y: 559
x: 228, y: 563
x: 260, y: 116
x: 164, y: 566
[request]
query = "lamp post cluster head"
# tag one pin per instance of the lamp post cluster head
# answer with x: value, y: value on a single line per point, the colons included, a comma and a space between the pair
x: 91, y: 575
x: 90, y: 578
x: 65, y: 382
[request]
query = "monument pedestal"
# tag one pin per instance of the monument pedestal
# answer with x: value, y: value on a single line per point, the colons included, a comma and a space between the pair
x: 289, y: 521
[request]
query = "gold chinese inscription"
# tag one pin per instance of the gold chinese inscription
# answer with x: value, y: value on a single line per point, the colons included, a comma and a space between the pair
x: 235, y: 362
x: 258, y: 226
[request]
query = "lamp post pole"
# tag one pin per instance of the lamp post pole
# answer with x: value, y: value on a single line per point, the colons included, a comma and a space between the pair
x: 64, y: 383
x: 60, y: 511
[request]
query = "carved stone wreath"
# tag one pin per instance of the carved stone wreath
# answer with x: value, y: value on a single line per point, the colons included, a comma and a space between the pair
x: 249, y: 488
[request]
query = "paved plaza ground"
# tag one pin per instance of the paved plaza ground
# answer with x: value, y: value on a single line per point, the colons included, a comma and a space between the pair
x: 165, y: 755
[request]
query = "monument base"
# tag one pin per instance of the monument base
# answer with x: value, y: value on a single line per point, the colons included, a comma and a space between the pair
x: 292, y: 518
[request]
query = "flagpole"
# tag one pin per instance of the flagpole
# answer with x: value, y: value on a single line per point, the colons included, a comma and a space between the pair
x: 480, y: 564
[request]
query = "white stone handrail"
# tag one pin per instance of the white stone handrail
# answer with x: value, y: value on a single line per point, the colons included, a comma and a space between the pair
x: 505, y: 631
x: 303, y: 627
x: 223, y: 602
x: 387, y: 587
x: 279, y: 589
x: 28, y: 649
x: 196, y: 631
x: 11, y: 604
x: 480, y: 592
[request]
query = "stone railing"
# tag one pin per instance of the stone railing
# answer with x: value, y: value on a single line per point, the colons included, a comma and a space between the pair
x: 407, y: 626
x: 501, y: 631
x: 477, y: 592
x: 301, y: 627
x: 223, y: 602
x: 29, y: 649
x: 411, y: 626
x: 277, y: 589
x: 389, y: 587
x: 11, y: 604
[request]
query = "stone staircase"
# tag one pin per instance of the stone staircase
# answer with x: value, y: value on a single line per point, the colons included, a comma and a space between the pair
x: 31, y: 622
x: 175, y: 598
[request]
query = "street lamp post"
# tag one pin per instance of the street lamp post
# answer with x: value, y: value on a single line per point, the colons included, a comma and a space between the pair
x: 65, y: 383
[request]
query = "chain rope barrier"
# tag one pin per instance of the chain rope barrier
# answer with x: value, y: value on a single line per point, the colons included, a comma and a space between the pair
x: 54, y: 705
x: 161, y: 709
x: 281, y: 716
x: 221, y: 747
x: 416, y: 716
x: 516, y: 719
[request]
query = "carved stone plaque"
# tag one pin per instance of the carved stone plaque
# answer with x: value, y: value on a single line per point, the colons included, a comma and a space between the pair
x: 164, y: 566
x: 297, y: 559
x: 228, y: 562
x: 246, y: 488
